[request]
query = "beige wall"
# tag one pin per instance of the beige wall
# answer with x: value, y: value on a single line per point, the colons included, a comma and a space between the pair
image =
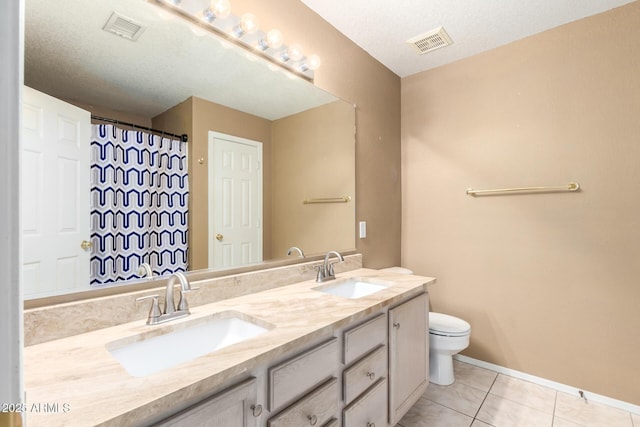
x: 313, y: 155
x: 351, y: 74
x: 549, y: 282
x: 122, y: 116
x: 197, y: 117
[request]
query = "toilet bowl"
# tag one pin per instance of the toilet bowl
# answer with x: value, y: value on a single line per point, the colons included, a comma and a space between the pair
x: 448, y: 335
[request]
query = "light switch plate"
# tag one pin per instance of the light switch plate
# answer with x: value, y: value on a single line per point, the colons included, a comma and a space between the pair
x: 363, y: 229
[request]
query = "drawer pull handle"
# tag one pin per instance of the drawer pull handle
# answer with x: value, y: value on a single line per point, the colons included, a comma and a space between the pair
x: 371, y: 375
x: 256, y: 410
x: 396, y: 325
x: 313, y: 420
x: 371, y: 424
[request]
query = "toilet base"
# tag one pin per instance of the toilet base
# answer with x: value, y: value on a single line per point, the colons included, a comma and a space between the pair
x: 441, y: 369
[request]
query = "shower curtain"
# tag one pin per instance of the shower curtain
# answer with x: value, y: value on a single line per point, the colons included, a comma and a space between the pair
x: 139, y: 200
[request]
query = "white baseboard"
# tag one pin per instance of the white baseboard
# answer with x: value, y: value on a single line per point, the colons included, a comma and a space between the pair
x: 593, y: 397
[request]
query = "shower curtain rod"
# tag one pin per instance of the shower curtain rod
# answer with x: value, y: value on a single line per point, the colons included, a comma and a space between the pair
x: 183, y: 137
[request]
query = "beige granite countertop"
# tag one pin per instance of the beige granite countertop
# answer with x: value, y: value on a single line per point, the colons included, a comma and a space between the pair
x: 75, y: 381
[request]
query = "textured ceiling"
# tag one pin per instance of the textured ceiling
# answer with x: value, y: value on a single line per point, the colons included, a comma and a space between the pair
x: 69, y: 56
x: 381, y: 27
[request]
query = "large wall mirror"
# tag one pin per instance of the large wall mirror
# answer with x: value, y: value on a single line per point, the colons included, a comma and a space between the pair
x: 296, y: 140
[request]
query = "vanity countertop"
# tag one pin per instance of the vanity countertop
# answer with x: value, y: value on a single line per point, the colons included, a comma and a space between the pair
x: 75, y: 381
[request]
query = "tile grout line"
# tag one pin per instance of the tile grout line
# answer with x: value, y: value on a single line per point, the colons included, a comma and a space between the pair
x: 485, y: 398
x: 526, y: 405
x: 555, y: 405
x: 451, y: 409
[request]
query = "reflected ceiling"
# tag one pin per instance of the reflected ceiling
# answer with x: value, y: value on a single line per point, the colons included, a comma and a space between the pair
x: 68, y: 53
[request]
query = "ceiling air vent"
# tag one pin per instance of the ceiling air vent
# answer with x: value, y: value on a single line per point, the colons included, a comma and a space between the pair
x: 430, y: 41
x: 124, y: 27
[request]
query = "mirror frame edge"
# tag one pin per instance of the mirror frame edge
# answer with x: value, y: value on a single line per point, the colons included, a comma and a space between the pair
x: 141, y: 285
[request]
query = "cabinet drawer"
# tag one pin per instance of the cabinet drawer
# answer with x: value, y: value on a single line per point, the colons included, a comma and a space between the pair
x: 364, y: 373
x: 294, y: 377
x: 315, y: 409
x: 364, y: 338
x: 231, y: 408
x: 368, y: 410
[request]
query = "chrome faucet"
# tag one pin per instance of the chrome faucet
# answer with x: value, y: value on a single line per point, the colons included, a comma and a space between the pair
x: 169, y: 304
x: 144, y: 270
x: 325, y: 271
x: 169, y: 313
x: 295, y: 248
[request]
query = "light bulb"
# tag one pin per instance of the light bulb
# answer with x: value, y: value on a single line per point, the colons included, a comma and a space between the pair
x: 218, y: 9
x: 274, y: 39
x: 248, y: 23
x: 314, y: 62
x: 295, y: 52
x: 221, y: 8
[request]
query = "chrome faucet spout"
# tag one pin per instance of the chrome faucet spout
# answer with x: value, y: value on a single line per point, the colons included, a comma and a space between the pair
x: 144, y: 270
x: 169, y: 304
x: 295, y: 248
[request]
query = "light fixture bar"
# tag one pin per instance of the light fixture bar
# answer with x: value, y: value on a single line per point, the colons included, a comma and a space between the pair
x: 174, y: 8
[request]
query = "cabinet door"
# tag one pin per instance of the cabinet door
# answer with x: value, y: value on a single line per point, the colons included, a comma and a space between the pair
x: 408, y: 355
x: 233, y: 407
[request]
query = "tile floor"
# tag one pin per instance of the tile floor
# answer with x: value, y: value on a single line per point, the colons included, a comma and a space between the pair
x: 481, y: 398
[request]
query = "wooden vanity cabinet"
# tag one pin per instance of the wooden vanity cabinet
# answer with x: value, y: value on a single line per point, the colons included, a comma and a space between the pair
x: 234, y: 407
x: 408, y: 355
x: 366, y: 374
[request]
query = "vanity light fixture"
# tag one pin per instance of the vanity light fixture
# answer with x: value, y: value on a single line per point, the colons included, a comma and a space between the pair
x: 244, y: 32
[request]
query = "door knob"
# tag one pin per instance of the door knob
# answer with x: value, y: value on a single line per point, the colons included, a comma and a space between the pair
x: 219, y: 237
x: 86, y: 245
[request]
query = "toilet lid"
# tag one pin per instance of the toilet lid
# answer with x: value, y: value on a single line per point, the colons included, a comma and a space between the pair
x: 443, y: 324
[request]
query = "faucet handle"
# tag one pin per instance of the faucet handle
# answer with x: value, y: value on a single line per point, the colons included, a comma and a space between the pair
x: 331, y: 273
x: 183, y: 305
x: 320, y: 274
x: 154, y: 312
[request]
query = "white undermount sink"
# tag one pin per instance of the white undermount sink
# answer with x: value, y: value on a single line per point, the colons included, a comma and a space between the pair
x: 352, y: 288
x: 150, y: 353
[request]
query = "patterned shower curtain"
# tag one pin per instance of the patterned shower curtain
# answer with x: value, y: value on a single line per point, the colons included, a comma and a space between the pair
x: 139, y: 195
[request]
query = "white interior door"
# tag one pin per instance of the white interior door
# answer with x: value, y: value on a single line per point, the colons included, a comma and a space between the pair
x: 55, y: 195
x: 235, y: 201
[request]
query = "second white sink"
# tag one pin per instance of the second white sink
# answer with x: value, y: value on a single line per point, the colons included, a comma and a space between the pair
x: 150, y: 354
x: 352, y: 288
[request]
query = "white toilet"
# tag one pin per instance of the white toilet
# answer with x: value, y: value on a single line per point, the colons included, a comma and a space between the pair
x: 448, y: 335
